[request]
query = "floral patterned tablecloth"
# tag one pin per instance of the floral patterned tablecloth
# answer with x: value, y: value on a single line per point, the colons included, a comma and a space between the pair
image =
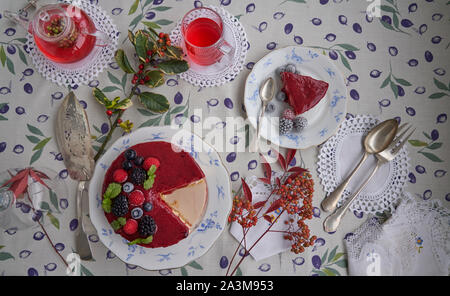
x: 395, y: 65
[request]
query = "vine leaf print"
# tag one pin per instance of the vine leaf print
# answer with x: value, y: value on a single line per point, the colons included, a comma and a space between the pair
x: 440, y: 85
x: 193, y: 264
x: 5, y: 255
x: 428, y: 147
x: 147, y: 11
x: 329, y: 262
x: 396, y: 84
x: 391, y: 23
x: 40, y: 143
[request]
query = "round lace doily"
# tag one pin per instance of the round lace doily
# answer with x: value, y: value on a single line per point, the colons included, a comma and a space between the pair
x: 229, y: 66
x: 91, y: 66
x: 341, y: 153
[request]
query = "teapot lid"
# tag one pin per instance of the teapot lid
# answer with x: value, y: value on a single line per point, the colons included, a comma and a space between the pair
x: 51, y: 23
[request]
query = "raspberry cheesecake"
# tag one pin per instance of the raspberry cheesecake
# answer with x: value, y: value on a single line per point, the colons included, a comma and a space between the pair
x: 154, y: 196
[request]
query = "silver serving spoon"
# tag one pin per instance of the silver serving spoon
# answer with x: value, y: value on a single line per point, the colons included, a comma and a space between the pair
x: 375, y: 141
x: 266, y: 93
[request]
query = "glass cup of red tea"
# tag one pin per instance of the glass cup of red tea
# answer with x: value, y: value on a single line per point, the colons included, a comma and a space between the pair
x: 63, y: 33
x: 203, y: 34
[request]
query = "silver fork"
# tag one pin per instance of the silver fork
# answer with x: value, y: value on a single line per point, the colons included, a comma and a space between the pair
x: 332, y: 222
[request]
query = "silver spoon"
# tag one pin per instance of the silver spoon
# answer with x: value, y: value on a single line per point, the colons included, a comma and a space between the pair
x: 375, y: 141
x: 266, y: 93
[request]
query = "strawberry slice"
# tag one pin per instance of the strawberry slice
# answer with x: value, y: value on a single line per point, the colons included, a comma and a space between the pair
x: 303, y: 92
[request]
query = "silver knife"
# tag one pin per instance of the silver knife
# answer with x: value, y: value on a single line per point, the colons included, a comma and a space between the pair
x: 74, y: 141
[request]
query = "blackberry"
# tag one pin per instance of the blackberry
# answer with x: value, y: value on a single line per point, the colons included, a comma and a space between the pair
x: 139, y: 160
x: 130, y: 154
x: 147, y: 226
x: 138, y: 175
x: 127, y: 165
x: 286, y: 126
x: 119, y: 206
x: 300, y: 123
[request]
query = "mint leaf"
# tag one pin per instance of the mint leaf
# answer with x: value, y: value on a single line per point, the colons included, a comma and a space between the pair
x: 122, y: 221
x: 141, y: 240
x: 149, y: 182
x: 106, y: 205
x: 152, y: 170
x: 116, y: 225
x: 112, y: 191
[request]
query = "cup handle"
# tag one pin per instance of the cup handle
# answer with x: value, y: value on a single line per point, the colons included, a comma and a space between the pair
x: 225, y: 48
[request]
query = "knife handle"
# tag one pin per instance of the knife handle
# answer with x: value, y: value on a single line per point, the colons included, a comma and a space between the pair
x: 80, y: 190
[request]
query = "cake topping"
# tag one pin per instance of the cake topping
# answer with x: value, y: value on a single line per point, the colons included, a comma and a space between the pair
x: 138, y: 175
x: 127, y: 187
x: 120, y: 176
x: 148, y: 162
x: 303, y: 92
x: 119, y: 206
x: 289, y: 114
x: 136, y: 198
x: 300, y: 123
x: 127, y: 165
x: 286, y: 125
x: 137, y: 213
x: 148, y: 206
x: 130, y: 227
x: 147, y: 226
x: 130, y: 154
x: 139, y: 160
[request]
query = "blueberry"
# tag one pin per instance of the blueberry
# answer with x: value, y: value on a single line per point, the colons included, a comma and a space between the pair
x: 139, y: 160
x: 127, y: 187
x: 130, y: 154
x: 136, y: 213
x: 127, y: 165
x: 148, y: 206
x: 270, y: 108
x: 281, y: 96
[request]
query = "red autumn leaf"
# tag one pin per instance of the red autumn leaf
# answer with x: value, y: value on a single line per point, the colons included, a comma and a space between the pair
x: 281, y: 160
x: 278, y: 182
x: 290, y: 155
x: 259, y: 204
x: 18, y: 176
x: 265, y: 180
x: 247, y: 191
x: 19, y: 186
x: 268, y: 218
x: 267, y: 168
x: 41, y: 174
x: 37, y: 178
x: 296, y: 171
x: 275, y: 205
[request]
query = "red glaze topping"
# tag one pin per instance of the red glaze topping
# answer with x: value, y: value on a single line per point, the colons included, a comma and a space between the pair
x: 176, y: 170
x: 303, y: 92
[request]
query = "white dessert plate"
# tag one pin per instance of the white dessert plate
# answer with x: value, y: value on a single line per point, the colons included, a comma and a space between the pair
x: 323, y: 120
x: 201, y: 238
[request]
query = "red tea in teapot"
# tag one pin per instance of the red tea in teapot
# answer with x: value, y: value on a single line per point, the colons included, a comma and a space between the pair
x: 64, y: 34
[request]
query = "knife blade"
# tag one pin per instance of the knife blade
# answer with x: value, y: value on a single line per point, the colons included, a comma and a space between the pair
x: 74, y: 141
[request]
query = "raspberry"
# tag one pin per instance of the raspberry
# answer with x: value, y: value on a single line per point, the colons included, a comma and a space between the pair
x: 136, y: 198
x: 120, y: 175
x: 288, y: 114
x: 130, y: 227
x: 148, y: 162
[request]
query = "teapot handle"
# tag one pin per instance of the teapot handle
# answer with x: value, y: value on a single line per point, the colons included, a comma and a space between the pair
x: 102, y: 39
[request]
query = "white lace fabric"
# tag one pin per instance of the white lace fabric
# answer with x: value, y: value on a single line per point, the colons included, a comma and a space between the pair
x: 341, y: 153
x: 89, y: 68
x: 414, y: 241
x: 229, y: 66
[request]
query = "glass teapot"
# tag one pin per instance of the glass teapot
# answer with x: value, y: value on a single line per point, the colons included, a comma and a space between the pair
x: 63, y: 32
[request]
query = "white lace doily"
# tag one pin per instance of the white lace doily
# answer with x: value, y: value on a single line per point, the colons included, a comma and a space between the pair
x: 229, y: 66
x: 341, y: 153
x: 414, y: 241
x: 91, y: 66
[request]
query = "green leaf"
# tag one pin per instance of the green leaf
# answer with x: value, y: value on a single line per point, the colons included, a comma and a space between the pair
x: 238, y: 272
x: 35, y: 130
x: 347, y: 46
x: 338, y: 255
x: 3, y: 118
x: 152, y: 170
x: 427, y: 136
x: 133, y: 7
x: 146, y: 112
x: 2, y: 55
x: 36, y: 156
x: 332, y: 254
x: 328, y: 271
x: 54, y: 200
x: 154, y: 102
x: 402, y: 81
x: 53, y: 220
x: 124, y: 81
x: 387, y: 25
x: 10, y: 65
x: 344, y: 61
x: 152, y: 25
x: 440, y: 85
x: 131, y: 37
x: 386, y: 81
x: 341, y: 263
x: 151, y: 122
x: 141, y: 240
x: 435, y: 146
x: 171, y: 67
x: 122, y: 61
x: 110, y: 89
x: 85, y: 271
x: 195, y: 265
x: 332, y: 271
x: 394, y: 89
x: 161, y: 8
x: 136, y: 20
x: 174, y: 52
x: 41, y: 144
x: 184, y: 271
x: 163, y: 22
x: 417, y: 143
x: 5, y: 256
x: 124, y: 104
x: 149, y: 183
x: 33, y: 139
x: 100, y: 96
x: 431, y: 156
x: 22, y: 56
x: 295, y: 1
x: 141, y: 45
x: 319, y: 272
x: 115, y: 225
x: 106, y: 205
x: 437, y: 95
x: 156, y: 78
x: 324, y: 257
x: 112, y: 190
x: 387, y: 8
x: 113, y: 78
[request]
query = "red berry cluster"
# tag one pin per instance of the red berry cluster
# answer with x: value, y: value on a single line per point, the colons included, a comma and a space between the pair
x: 296, y: 199
x: 245, y: 219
